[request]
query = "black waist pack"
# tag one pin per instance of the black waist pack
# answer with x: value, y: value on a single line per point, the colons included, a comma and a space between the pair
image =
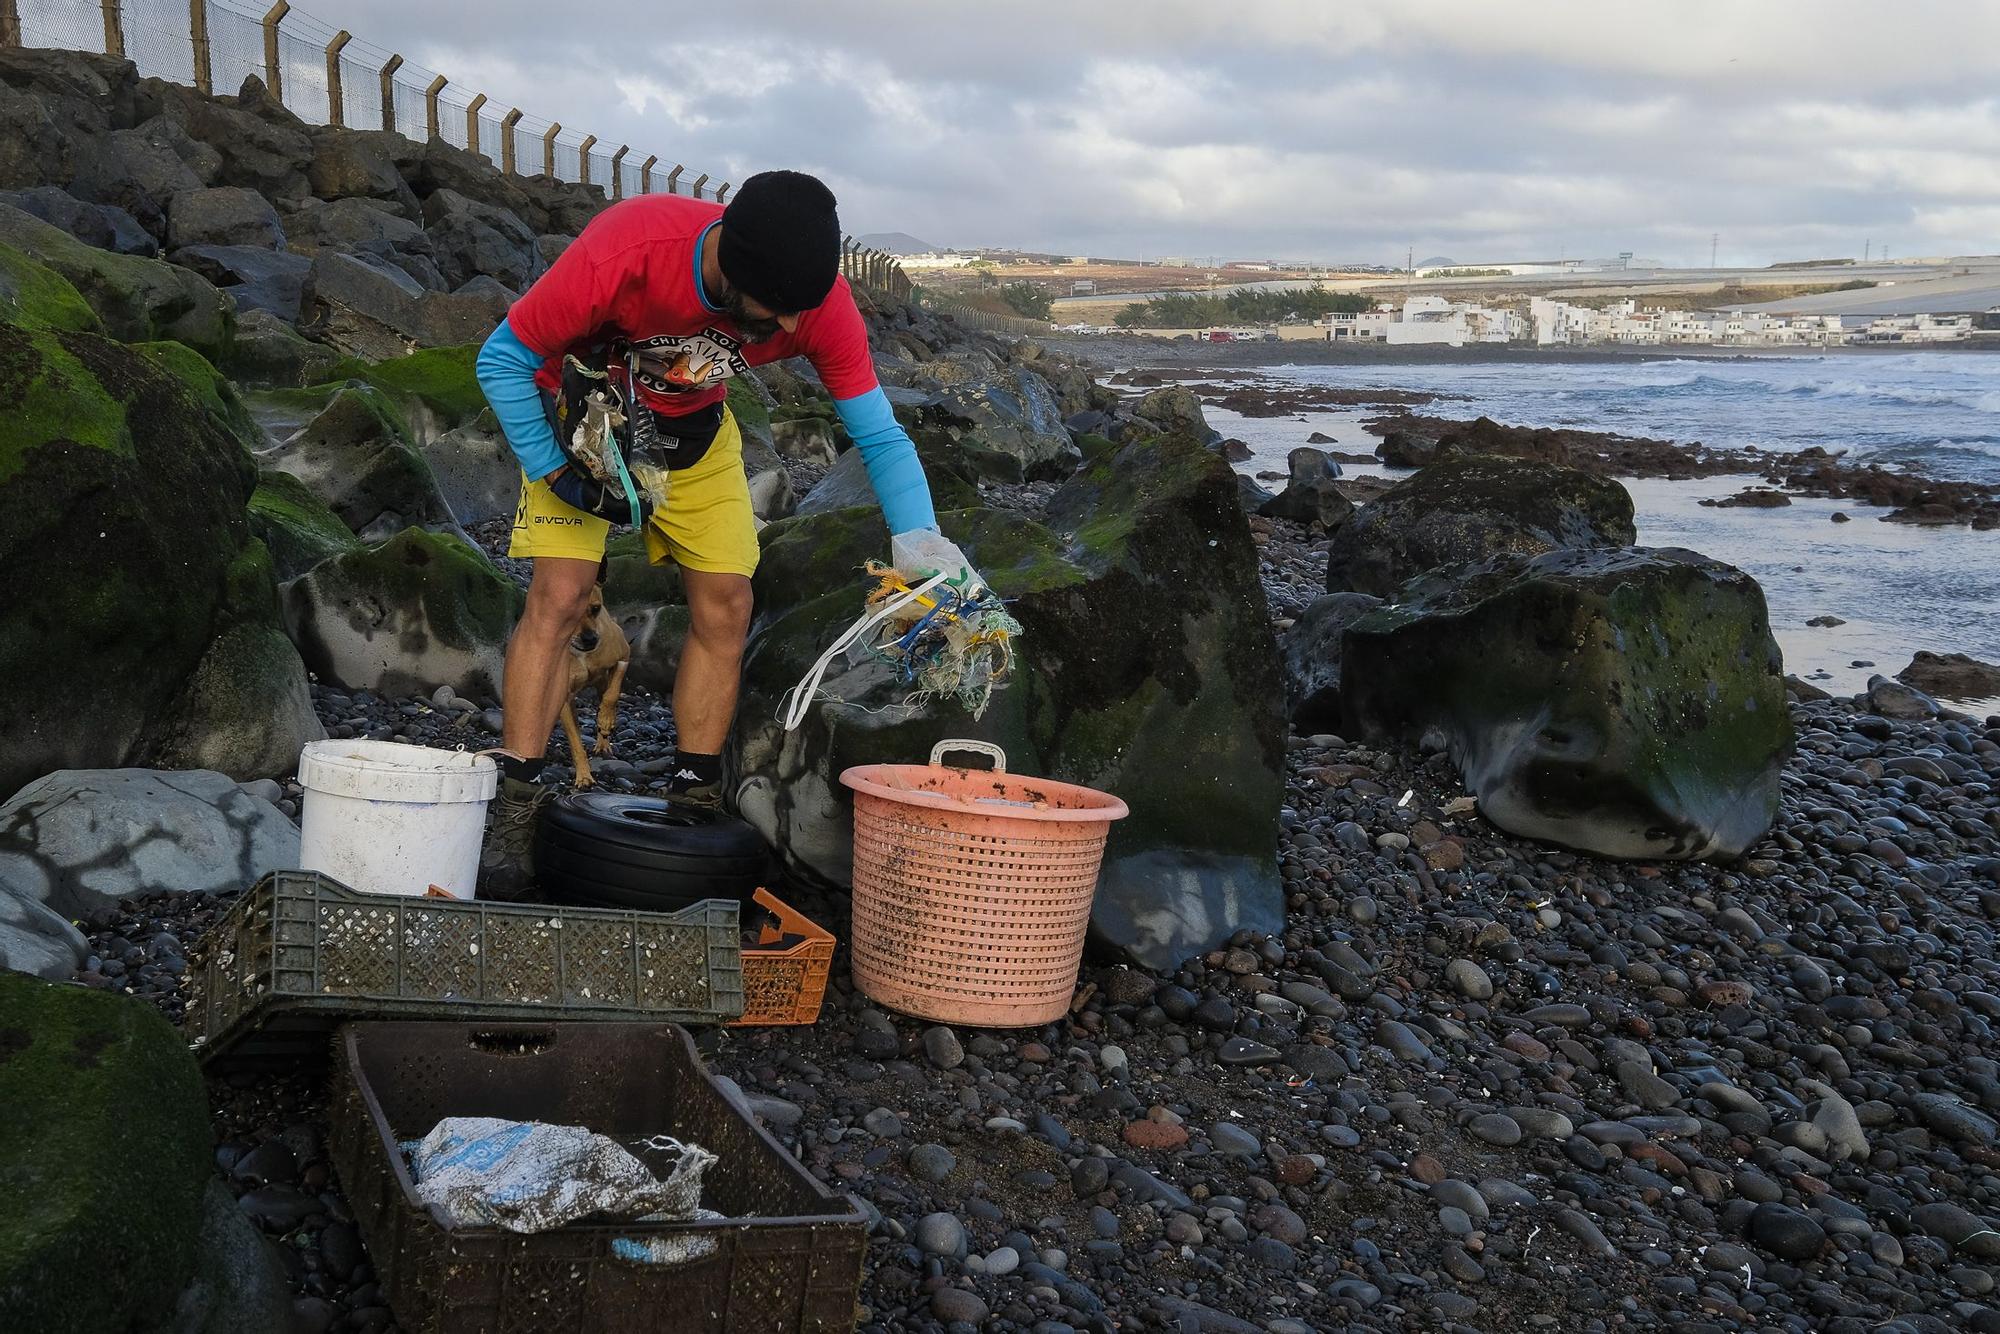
x: 647, y: 439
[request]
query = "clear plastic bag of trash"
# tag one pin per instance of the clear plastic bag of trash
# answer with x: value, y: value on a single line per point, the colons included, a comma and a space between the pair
x: 525, y: 1176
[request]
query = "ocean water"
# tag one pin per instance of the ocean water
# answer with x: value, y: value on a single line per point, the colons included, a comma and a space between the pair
x: 1898, y: 588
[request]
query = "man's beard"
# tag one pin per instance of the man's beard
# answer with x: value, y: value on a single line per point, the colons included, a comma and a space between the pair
x: 754, y: 330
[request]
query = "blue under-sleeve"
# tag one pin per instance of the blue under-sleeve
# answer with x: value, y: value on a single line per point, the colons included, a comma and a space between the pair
x: 506, y: 368
x: 893, y: 468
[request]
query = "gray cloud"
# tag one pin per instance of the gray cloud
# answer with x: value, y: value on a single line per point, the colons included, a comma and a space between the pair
x: 1298, y: 129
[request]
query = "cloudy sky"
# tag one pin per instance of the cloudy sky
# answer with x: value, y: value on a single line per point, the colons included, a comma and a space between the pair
x: 1289, y: 128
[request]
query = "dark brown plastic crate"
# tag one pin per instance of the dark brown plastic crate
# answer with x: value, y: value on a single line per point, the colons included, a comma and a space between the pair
x: 788, y: 1251
x: 301, y: 952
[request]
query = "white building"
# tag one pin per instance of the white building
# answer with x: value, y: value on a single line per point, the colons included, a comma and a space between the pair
x: 1917, y: 329
x: 1429, y: 319
x: 937, y: 259
x: 1369, y: 324
x: 1558, y: 322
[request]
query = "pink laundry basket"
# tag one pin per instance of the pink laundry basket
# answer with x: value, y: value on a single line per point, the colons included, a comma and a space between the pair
x: 972, y: 887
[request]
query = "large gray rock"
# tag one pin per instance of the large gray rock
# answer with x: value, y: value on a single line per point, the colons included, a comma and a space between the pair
x: 1178, y: 713
x: 946, y: 467
x: 223, y: 215
x: 106, y: 226
x: 1008, y: 425
x: 1310, y: 651
x: 355, y: 457
x: 143, y: 168
x: 36, y: 939
x: 371, y: 308
x: 477, y: 471
x: 1627, y: 703
x: 363, y: 164
x: 1312, y: 494
x: 256, y: 277
x: 1466, y: 507
x: 470, y: 238
x: 78, y: 840
x: 418, y: 611
x: 247, y: 710
x: 355, y: 225
x: 261, y: 146
x: 1176, y: 410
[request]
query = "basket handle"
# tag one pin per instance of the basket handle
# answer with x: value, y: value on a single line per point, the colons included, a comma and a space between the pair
x: 986, y: 748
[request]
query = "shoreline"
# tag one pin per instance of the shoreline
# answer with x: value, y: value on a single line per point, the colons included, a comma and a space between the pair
x: 1132, y: 351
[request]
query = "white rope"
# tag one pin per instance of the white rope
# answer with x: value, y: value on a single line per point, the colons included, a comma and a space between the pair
x: 799, y: 699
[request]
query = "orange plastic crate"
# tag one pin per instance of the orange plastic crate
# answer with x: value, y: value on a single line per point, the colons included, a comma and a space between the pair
x: 785, y: 986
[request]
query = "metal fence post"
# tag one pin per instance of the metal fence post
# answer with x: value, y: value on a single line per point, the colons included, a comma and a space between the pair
x: 204, y: 80
x: 722, y: 193
x: 114, y: 30
x: 618, y: 172
x: 431, y: 107
x: 674, y: 179
x: 507, y: 124
x: 336, y: 107
x: 646, y: 174
x: 549, y: 150
x: 583, y: 160
x: 700, y: 181
x: 389, y: 68
x: 274, y: 68
x: 472, y: 123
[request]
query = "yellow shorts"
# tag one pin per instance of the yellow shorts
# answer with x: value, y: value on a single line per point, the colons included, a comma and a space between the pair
x: 705, y: 525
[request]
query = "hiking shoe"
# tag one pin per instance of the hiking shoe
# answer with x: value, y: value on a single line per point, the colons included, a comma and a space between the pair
x: 507, y: 859
x: 689, y: 795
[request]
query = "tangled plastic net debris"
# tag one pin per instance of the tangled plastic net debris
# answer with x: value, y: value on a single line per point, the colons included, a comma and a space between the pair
x: 944, y: 643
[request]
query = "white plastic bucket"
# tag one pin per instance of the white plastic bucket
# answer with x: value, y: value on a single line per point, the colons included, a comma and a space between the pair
x: 387, y: 818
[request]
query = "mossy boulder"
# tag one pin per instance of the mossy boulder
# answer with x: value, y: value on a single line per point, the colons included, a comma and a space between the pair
x: 1147, y: 668
x: 137, y: 299
x: 356, y: 456
x: 1628, y: 703
x: 410, y: 614
x: 1466, y: 507
x: 268, y: 351
x: 295, y: 525
x: 435, y: 386
x: 104, y: 1155
x: 632, y: 581
x: 122, y: 488
x: 35, y: 296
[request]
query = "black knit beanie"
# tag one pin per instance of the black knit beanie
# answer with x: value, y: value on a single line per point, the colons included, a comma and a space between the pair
x: 781, y: 241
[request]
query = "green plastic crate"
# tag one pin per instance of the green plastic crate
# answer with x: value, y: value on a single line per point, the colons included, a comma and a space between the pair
x: 301, y: 953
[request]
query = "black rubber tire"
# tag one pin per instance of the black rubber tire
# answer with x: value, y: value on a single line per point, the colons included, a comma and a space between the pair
x: 611, y: 850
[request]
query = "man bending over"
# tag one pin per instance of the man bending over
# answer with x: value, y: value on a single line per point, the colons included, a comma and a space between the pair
x: 657, y: 303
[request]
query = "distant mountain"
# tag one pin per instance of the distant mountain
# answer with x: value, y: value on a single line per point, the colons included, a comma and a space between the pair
x: 897, y: 243
x: 1437, y: 262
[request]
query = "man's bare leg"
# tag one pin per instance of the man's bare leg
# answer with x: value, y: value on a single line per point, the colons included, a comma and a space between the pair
x: 537, y: 677
x: 532, y: 693
x: 711, y: 662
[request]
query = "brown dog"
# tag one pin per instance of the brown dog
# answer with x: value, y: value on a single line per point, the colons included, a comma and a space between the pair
x: 598, y: 656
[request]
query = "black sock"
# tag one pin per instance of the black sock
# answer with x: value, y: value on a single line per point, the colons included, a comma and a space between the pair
x: 525, y: 771
x: 694, y: 769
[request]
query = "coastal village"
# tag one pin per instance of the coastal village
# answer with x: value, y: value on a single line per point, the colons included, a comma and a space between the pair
x: 1533, y: 865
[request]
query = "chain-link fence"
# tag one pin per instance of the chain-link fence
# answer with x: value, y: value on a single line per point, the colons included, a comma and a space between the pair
x: 329, y: 77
